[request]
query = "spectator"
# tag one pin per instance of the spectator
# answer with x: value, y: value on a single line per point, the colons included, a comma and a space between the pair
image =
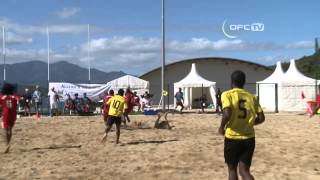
x: 53, y: 101
x: 26, y: 101
x: 37, y: 99
x: 86, y: 103
x: 179, y: 99
x: 68, y: 104
x: 218, y: 101
x: 77, y: 103
x: 203, y: 102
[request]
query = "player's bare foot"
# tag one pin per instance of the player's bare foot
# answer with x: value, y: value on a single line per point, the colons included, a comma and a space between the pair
x: 7, y: 149
x: 104, y: 139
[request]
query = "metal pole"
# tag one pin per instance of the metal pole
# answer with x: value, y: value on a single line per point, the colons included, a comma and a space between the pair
x: 258, y: 93
x: 4, y: 53
x: 168, y: 96
x: 276, y: 98
x: 48, y: 45
x: 163, y: 54
x: 89, y: 53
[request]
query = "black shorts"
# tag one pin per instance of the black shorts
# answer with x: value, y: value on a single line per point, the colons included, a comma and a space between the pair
x: 113, y: 119
x: 238, y: 150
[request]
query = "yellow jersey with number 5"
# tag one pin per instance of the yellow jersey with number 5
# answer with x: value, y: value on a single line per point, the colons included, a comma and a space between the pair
x: 244, y: 107
x: 117, y: 105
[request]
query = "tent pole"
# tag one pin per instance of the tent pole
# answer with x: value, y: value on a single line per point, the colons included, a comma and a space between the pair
x: 258, y: 89
x: 168, y: 95
x: 276, y: 98
x: 201, y: 96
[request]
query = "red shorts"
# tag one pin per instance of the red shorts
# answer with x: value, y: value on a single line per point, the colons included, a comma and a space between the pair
x: 7, y: 123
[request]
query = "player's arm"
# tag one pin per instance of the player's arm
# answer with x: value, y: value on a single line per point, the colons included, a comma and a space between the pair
x: 226, y: 116
x: 226, y: 113
x: 260, y: 115
x: 260, y: 118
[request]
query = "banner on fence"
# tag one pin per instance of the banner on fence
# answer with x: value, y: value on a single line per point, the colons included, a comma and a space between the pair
x: 94, y: 91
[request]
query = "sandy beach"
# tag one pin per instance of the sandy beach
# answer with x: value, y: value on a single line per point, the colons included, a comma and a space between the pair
x: 287, y: 147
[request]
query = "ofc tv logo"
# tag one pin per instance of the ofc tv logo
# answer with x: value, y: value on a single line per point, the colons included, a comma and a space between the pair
x: 254, y: 27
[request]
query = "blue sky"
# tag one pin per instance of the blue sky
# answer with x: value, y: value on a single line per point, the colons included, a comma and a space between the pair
x: 125, y: 34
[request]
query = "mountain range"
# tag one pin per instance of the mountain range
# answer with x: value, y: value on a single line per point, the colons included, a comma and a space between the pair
x: 35, y: 72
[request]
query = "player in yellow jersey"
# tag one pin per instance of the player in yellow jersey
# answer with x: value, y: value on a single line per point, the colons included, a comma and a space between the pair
x: 241, y: 112
x: 117, y: 105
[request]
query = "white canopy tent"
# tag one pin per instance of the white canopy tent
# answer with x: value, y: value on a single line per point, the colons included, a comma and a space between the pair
x: 134, y: 83
x: 267, y: 91
x: 293, y: 83
x: 192, y: 86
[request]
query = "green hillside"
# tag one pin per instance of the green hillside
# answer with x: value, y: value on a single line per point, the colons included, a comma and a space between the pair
x: 308, y: 65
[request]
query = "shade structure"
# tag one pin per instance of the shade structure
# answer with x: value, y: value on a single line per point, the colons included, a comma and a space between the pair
x: 292, y: 85
x: 132, y: 82
x: 193, y: 85
x: 266, y: 89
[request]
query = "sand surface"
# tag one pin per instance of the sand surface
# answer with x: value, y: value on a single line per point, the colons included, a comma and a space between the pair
x: 287, y: 147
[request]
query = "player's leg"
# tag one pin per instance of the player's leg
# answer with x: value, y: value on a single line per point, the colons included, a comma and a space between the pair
x: 118, y: 123
x: 245, y: 171
x: 231, y: 155
x: 182, y: 107
x: 246, y: 159
x: 232, y: 171
x: 8, y: 132
x: 108, y: 124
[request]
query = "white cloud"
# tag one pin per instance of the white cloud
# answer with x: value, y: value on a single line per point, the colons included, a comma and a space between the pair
x: 137, y: 55
x: 28, y: 30
x: 67, y: 12
x: 300, y: 45
x: 13, y: 38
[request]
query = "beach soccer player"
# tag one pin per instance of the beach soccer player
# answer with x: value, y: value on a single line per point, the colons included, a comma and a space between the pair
x: 117, y: 106
x: 106, y: 107
x: 129, y: 98
x: 179, y: 99
x: 8, y: 102
x: 241, y: 112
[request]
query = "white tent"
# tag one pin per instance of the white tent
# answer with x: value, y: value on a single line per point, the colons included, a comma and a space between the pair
x: 267, y: 91
x: 135, y: 84
x: 192, y: 85
x: 291, y: 86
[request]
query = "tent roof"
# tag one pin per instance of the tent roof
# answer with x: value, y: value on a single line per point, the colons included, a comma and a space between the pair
x: 129, y: 81
x: 193, y: 79
x: 276, y: 76
x: 293, y: 75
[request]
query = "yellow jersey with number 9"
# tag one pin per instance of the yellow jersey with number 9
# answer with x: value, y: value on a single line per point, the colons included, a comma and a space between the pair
x: 117, y: 105
x: 244, y: 107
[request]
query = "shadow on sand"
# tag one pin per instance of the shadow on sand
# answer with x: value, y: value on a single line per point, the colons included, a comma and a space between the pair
x: 149, y: 142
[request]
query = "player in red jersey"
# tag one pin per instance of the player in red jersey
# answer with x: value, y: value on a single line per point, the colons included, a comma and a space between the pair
x: 129, y: 98
x: 105, y: 106
x: 8, y: 103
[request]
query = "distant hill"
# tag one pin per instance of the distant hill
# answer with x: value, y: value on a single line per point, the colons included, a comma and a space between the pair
x: 308, y: 65
x: 35, y: 72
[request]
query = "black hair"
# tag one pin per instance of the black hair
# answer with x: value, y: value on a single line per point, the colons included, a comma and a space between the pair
x: 238, y: 78
x: 7, y: 89
x: 120, y: 92
x: 111, y: 92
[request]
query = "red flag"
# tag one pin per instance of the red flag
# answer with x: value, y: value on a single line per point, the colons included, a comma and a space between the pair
x: 302, y: 95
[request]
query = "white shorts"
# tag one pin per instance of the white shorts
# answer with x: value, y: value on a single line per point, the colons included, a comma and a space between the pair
x: 54, y: 105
